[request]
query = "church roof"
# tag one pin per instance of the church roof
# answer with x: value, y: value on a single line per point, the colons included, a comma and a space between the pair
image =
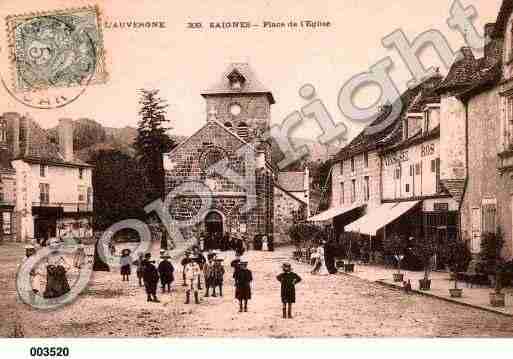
x: 292, y: 181
x: 249, y: 82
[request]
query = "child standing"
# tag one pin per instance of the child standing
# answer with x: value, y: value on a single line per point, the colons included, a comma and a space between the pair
x: 125, y: 262
x: 193, y: 278
x: 218, y: 276
x: 243, y: 278
x: 288, y: 280
x: 166, y: 273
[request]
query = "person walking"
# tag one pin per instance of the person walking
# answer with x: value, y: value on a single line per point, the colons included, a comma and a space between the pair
x: 140, y: 269
x: 185, y: 261
x: 166, y: 272
x: 288, y: 280
x: 125, y: 262
x: 193, y: 278
x: 150, y: 278
x: 208, y: 274
x: 243, y: 278
x: 217, y: 276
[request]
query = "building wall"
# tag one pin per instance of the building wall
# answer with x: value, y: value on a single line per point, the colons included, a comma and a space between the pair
x: 452, y: 138
x: 287, y: 210
x: 228, y: 196
x: 411, y: 183
x: 358, y: 175
x: 64, y: 183
x: 482, y: 185
x: 8, y: 199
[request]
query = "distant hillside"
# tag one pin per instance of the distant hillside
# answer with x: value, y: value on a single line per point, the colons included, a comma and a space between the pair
x: 90, y: 137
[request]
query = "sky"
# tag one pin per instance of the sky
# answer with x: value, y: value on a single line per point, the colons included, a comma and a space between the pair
x: 181, y: 62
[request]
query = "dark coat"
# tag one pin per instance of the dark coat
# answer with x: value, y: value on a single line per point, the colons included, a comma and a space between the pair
x: 150, y: 273
x: 288, y: 282
x: 243, y: 278
x: 166, y: 271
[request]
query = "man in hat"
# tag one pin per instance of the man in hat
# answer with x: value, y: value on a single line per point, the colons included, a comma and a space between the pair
x: 193, y: 278
x: 243, y: 278
x: 217, y: 276
x: 150, y: 278
x: 235, y: 263
x: 166, y: 272
x: 185, y: 261
x: 288, y: 280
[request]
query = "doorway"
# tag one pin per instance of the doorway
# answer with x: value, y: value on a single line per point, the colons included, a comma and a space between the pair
x: 214, y: 224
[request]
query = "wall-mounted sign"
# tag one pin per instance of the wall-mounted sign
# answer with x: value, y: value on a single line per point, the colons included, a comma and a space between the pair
x: 427, y: 150
x: 396, y: 157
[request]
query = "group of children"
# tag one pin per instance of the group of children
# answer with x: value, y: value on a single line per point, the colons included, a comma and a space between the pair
x: 196, y: 270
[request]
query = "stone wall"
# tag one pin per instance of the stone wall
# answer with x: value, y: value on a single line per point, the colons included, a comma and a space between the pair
x: 287, y: 211
x: 347, y: 176
x: 452, y: 138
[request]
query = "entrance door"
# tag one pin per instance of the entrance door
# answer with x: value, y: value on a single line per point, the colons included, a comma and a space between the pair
x: 214, y: 224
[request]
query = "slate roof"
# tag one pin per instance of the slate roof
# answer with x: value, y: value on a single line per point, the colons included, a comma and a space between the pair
x: 392, y: 133
x: 468, y: 73
x: 40, y: 148
x: 251, y: 84
x: 502, y: 18
x: 291, y: 181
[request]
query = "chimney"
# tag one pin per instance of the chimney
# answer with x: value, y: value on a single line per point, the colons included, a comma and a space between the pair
x: 25, y: 124
x: 66, y: 139
x: 306, y: 185
x: 490, y: 49
x: 13, y: 124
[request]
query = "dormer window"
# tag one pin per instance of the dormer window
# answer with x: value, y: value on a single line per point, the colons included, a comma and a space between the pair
x: 236, y: 80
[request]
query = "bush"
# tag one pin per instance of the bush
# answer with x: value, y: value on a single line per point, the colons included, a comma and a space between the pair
x: 303, y: 233
x: 491, y: 247
x: 424, y: 249
x: 456, y: 254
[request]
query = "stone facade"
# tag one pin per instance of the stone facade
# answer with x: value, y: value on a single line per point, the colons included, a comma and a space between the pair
x: 225, y: 168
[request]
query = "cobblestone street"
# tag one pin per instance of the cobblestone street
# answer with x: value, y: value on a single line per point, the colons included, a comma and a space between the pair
x: 337, y: 305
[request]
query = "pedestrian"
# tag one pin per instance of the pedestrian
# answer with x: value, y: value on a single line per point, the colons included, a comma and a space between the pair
x: 208, y: 274
x: 200, y: 259
x: 407, y: 286
x: 193, y: 278
x: 320, y: 264
x: 235, y: 263
x: 79, y: 256
x: 243, y: 278
x: 125, y: 262
x: 151, y: 278
x: 265, y: 247
x: 56, y: 267
x: 288, y: 280
x: 166, y: 273
x: 185, y: 261
x: 217, y: 276
x: 140, y: 269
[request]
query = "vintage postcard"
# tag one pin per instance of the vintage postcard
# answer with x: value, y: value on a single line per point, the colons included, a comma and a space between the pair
x: 238, y: 169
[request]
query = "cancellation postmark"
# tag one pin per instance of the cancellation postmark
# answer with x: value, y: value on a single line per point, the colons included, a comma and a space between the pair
x: 54, y: 56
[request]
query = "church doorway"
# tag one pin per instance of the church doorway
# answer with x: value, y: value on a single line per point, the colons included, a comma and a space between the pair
x: 214, y: 224
x: 214, y: 229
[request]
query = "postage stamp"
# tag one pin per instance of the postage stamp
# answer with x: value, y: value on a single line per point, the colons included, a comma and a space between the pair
x: 61, y: 49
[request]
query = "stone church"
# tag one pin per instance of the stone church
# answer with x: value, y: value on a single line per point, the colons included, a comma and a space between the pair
x: 224, y: 177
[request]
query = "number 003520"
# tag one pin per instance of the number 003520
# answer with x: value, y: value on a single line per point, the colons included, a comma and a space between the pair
x: 49, y: 351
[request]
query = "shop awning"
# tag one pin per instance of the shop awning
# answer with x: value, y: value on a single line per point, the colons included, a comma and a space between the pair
x: 380, y: 217
x: 332, y: 213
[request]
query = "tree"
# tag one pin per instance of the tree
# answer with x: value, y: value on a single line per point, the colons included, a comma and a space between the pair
x: 152, y: 141
x: 117, y: 180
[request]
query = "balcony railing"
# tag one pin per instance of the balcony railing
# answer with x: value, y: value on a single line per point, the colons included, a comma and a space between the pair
x: 67, y: 207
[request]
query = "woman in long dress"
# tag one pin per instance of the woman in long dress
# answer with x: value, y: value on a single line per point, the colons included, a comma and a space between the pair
x: 265, y: 246
x: 320, y: 263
